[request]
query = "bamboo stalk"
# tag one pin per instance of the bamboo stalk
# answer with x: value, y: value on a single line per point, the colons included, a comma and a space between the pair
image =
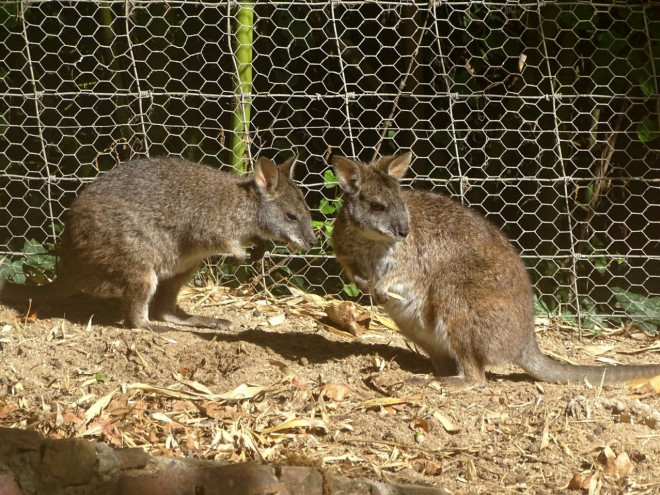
x: 243, y: 29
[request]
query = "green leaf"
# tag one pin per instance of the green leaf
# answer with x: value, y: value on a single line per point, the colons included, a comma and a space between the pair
x: 351, y: 290
x: 326, y: 207
x: 330, y: 179
x: 540, y: 306
x: 600, y: 264
x: 648, y: 129
x: 100, y: 377
x: 31, y: 246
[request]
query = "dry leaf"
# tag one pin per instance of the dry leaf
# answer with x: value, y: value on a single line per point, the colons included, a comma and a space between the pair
x: 243, y: 391
x: 161, y: 417
x: 471, y: 473
x: 299, y: 382
x: 99, y: 406
x: 168, y: 392
x: 636, y: 333
x: 187, y: 371
x: 615, y: 465
x: 396, y: 296
x: 419, y: 424
x: 386, y: 322
x: 336, y: 391
x: 580, y: 482
x: 198, y: 387
x: 273, y: 321
x: 446, y: 423
x: 213, y: 410
x: 647, y: 386
x: 597, y: 350
x: 545, y: 436
x: 383, y: 401
x: 298, y: 423
x: 432, y: 468
x: 7, y: 409
x: 429, y: 468
x: 347, y: 317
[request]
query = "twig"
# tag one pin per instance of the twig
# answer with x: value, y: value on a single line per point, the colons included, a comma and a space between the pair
x: 402, y: 84
x: 601, y: 184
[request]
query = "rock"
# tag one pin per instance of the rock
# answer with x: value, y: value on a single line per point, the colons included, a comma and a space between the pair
x: 71, y: 460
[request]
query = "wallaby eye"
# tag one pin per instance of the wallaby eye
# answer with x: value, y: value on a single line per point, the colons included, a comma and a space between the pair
x: 291, y: 217
x: 376, y: 206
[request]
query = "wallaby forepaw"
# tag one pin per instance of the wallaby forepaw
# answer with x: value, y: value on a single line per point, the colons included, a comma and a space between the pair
x: 380, y: 296
x: 257, y: 252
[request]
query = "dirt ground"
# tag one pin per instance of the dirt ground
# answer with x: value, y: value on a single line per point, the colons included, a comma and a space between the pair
x: 286, y: 387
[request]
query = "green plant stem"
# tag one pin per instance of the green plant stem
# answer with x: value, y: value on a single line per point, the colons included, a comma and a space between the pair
x: 243, y: 29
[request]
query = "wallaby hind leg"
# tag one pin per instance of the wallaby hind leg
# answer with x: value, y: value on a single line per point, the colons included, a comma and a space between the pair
x: 137, y: 293
x: 470, y: 370
x: 164, y: 307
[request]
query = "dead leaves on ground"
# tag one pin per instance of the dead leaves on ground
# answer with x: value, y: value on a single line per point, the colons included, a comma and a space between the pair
x: 348, y: 317
x: 304, y: 413
x: 608, y: 463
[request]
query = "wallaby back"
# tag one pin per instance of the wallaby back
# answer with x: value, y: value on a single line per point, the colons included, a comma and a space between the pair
x: 141, y: 230
x: 461, y: 291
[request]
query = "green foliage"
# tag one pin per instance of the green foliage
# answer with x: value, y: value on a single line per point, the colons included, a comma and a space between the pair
x: 351, y: 290
x: 37, y: 264
x: 636, y: 306
x: 648, y: 129
x: 330, y: 179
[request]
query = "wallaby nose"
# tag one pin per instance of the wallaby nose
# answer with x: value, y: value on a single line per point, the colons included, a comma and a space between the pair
x: 402, y: 231
x: 312, y: 239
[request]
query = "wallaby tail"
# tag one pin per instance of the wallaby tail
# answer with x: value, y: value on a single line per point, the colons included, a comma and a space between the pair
x: 546, y: 369
x: 47, y: 293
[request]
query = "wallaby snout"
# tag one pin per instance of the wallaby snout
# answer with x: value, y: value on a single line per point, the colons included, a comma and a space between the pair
x: 402, y: 231
x: 307, y: 242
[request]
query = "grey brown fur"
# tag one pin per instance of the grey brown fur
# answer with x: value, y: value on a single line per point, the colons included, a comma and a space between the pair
x: 466, y: 296
x: 140, y: 231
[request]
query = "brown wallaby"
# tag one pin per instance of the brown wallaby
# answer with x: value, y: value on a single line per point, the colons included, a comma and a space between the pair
x: 140, y: 231
x: 460, y: 289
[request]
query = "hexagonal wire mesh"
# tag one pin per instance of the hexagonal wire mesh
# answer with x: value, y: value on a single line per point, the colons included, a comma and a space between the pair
x: 544, y: 116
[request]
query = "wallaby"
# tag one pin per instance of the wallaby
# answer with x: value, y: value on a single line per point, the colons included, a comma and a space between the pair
x: 450, y: 280
x: 140, y: 231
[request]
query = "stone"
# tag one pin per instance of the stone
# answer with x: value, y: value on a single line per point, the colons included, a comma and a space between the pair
x: 298, y: 480
x: 8, y: 485
x: 71, y: 460
x: 181, y: 478
x: 134, y: 458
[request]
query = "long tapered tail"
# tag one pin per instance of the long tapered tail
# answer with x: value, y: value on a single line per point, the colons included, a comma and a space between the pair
x: 546, y: 369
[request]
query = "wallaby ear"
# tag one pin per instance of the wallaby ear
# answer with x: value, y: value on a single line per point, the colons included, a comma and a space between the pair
x: 265, y: 176
x: 289, y: 166
x: 395, y: 166
x: 348, y: 173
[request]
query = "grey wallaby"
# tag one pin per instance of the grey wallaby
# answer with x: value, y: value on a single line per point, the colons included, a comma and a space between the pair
x: 140, y: 231
x: 451, y: 281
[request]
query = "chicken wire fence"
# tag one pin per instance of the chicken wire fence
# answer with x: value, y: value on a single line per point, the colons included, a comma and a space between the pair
x: 545, y: 116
